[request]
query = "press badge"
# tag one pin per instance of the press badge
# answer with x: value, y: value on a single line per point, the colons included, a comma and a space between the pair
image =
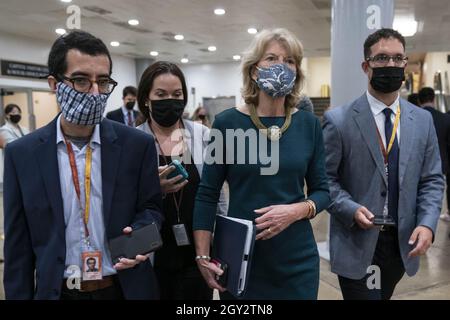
x: 181, y: 237
x: 92, y: 265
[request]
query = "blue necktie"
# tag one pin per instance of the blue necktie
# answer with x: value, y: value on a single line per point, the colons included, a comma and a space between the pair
x: 392, y: 166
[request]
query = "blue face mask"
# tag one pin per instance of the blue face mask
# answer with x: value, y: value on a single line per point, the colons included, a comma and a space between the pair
x: 80, y: 108
x: 278, y: 80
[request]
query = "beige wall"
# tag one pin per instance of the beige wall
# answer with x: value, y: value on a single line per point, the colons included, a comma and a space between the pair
x: 45, y: 107
x: 317, y: 73
x: 435, y: 61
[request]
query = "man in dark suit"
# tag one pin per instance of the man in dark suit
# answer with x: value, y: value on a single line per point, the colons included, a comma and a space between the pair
x: 442, y: 125
x: 76, y: 183
x: 126, y: 114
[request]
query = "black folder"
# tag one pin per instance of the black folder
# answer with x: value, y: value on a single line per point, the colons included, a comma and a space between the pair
x: 233, y: 244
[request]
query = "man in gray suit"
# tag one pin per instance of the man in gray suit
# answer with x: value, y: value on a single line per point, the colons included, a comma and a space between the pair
x: 382, y: 158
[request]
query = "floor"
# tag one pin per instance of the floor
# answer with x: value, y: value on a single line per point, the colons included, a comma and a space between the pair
x: 431, y: 282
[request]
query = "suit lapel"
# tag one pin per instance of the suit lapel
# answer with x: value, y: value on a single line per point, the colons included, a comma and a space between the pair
x: 46, y: 154
x: 407, y: 133
x: 367, y: 126
x: 110, y: 159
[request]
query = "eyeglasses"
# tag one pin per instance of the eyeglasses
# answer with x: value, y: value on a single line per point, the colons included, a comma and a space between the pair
x: 84, y: 85
x: 382, y: 60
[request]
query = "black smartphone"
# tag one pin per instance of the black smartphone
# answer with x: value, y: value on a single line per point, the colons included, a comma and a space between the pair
x: 140, y: 242
x: 222, y: 279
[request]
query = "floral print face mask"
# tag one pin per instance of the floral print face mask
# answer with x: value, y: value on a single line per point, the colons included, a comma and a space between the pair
x: 278, y: 80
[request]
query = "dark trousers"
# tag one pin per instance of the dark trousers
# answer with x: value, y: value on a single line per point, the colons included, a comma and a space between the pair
x: 387, y: 257
x: 448, y: 191
x: 185, y: 284
x: 111, y: 293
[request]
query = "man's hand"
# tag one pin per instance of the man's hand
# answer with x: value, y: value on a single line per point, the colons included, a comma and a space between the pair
x: 422, y: 237
x: 129, y: 263
x: 364, y: 218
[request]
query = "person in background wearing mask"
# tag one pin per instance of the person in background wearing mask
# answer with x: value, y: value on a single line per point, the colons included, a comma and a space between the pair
x: 285, y: 262
x: 126, y: 113
x: 201, y: 115
x: 382, y: 160
x: 76, y: 183
x: 11, y: 130
x: 162, y: 98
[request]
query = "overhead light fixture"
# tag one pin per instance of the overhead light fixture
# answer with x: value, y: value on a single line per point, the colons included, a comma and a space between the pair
x: 60, y: 31
x: 66, y: 1
x: 133, y: 22
x: 252, y: 30
x: 184, y: 60
x: 236, y: 57
x: 406, y: 25
x: 212, y: 48
x: 179, y: 37
x: 115, y: 43
x: 154, y: 53
x: 219, y: 11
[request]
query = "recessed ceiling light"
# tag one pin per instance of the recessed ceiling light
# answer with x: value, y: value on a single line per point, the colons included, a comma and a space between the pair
x: 236, y: 57
x: 179, y: 37
x: 406, y: 25
x: 219, y: 11
x: 115, y: 43
x: 66, y: 1
x: 154, y: 53
x: 60, y: 31
x: 252, y: 30
x: 184, y: 60
x: 133, y: 22
x: 212, y: 48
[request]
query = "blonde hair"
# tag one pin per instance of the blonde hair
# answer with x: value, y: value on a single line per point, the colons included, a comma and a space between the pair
x: 254, y: 54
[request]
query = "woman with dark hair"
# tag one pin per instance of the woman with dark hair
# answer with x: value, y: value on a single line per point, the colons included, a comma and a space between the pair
x: 162, y: 97
x: 11, y: 130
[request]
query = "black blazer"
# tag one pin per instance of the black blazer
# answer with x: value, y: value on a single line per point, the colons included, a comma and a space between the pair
x: 35, y: 246
x: 117, y: 115
x: 442, y: 125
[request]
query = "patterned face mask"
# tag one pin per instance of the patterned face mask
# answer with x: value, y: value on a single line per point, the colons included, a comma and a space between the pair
x: 278, y: 80
x: 79, y: 108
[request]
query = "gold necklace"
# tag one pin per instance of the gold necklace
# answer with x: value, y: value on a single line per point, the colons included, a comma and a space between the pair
x: 274, y: 132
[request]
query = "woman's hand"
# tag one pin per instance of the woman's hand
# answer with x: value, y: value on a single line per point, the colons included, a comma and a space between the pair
x: 170, y: 185
x: 275, y: 219
x: 209, y: 271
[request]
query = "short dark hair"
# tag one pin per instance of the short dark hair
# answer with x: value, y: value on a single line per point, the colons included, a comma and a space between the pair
x: 384, y: 33
x: 90, y: 259
x: 10, y: 107
x: 79, y: 40
x: 426, y: 94
x: 129, y: 90
x: 414, y: 99
x: 149, y: 75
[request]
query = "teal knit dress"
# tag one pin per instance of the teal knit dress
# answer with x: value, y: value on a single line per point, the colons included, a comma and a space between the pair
x: 287, y: 265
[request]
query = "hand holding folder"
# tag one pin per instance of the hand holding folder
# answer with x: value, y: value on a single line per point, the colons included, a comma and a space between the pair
x: 233, y: 245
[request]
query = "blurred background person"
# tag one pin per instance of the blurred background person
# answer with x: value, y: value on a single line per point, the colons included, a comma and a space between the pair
x: 162, y: 98
x: 414, y: 99
x: 285, y: 262
x: 126, y: 113
x: 305, y: 104
x: 201, y: 115
x: 11, y: 130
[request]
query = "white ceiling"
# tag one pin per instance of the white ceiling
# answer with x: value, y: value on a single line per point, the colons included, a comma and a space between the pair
x: 159, y: 20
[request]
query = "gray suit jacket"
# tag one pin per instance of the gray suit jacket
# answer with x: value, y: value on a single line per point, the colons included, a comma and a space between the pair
x: 356, y: 176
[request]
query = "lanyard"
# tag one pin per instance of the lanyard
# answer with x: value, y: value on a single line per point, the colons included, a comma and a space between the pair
x: 87, y: 181
x: 392, y: 139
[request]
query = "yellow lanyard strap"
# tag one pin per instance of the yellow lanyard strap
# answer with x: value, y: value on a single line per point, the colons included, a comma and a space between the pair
x: 394, y: 131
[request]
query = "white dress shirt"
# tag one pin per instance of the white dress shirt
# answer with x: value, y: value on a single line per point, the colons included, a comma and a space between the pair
x: 377, y: 107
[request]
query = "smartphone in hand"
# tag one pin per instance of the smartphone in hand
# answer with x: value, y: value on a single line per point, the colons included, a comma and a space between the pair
x: 179, y: 170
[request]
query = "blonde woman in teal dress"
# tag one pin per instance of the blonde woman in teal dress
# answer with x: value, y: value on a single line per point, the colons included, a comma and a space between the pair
x: 285, y: 262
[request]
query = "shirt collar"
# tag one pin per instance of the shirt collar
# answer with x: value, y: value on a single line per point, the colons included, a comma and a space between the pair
x: 95, y: 140
x: 377, y: 106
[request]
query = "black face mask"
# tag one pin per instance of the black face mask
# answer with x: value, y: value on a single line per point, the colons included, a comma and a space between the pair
x: 130, y: 105
x: 167, y: 112
x: 387, y: 79
x: 15, y: 118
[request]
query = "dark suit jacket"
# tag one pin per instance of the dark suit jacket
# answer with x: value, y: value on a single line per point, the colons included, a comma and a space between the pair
x: 35, y: 247
x: 117, y: 115
x: 442, y: 125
